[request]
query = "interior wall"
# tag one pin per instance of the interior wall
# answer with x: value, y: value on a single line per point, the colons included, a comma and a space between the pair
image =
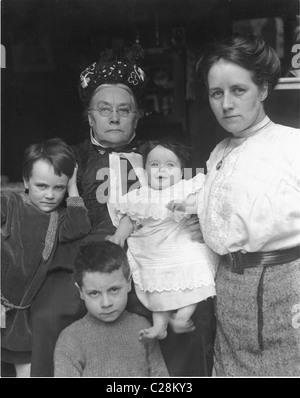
x: 49, y: 42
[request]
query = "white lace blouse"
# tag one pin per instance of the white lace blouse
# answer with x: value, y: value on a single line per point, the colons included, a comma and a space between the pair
x: 252, y: 203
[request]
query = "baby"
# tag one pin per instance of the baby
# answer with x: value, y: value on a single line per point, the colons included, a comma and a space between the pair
x: 171, y: 271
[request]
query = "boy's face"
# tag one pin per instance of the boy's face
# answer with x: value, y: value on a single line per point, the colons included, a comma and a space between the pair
x: 46, y: 189
x: 105, y: 294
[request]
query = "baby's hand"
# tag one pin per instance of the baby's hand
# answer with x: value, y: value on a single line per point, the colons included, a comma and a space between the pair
x: 176, y: 206
x: 72, y: 184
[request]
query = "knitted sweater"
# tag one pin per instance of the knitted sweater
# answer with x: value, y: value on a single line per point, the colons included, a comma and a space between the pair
x: 92, y: 348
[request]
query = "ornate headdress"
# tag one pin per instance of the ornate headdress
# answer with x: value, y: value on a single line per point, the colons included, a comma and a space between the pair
x: 112, y: 68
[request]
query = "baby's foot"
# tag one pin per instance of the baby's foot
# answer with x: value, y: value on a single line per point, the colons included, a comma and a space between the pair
x: 153, y: 333
x: 182, y: 325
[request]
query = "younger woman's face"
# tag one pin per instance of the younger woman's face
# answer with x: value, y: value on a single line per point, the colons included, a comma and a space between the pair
x: 163, y: 168
x: 235, y: 99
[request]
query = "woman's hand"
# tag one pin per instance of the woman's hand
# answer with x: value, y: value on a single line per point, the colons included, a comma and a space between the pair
x: 194, y: 227
x: 72, y: 184
x: 188, y: 206
x: 192, y: 222
x: 118, y: 240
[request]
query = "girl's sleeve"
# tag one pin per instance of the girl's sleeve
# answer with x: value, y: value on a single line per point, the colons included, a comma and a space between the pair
x: 76, y: 223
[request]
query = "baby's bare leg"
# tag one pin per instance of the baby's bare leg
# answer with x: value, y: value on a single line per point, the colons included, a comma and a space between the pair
x: 23, y: 370
x: 181, y: 321
x: 159, y: 328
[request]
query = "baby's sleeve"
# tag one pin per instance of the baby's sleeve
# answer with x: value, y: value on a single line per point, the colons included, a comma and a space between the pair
x: 133, y: 204
x: 190, y: 187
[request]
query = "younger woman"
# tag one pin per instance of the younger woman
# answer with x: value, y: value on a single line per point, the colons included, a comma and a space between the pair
x: 171, y: 272
x: 31, y: 225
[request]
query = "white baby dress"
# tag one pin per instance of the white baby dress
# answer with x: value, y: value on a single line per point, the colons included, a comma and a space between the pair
x: 169, y: 269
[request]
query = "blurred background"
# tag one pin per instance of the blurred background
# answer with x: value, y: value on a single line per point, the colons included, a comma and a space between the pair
x: 47, y: 43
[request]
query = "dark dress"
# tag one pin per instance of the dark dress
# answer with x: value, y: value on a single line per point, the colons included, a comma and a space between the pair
x: 58, y: 303
x: 28, y: 242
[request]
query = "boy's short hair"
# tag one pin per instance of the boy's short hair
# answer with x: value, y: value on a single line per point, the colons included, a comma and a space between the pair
x: 102, y: 256
x: 55, y: 151
x: 181, y: 150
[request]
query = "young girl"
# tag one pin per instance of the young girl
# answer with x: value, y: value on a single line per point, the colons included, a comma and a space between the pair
x: 171, y: 271
x: 31, y: 225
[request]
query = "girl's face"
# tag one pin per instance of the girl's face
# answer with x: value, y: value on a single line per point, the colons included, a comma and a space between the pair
x: 235, y: 99
x: 46, y: 189
x: 163, y: 168
x: 113, y: 131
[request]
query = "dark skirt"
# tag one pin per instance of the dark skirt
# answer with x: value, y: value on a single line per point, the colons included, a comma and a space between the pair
x: 258, y: 316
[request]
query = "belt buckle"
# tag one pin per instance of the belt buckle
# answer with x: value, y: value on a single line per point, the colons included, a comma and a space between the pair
x: 236, y: 263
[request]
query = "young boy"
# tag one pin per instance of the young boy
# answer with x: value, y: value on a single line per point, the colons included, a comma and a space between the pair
x: 32, y: 224
x: 105, y: 343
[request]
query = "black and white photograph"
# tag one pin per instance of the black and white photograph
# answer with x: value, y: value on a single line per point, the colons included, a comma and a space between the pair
x: 150, y: 191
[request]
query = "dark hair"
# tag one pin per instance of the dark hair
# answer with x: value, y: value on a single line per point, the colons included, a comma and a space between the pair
x: 182, y: 151
x: 115, y: 67
x: 102, y: 256
x: 55, y: 151
x: 249, y: 52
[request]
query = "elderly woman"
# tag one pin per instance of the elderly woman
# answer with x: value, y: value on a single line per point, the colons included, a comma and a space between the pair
x: 250, y: 214
x: 108, y: 165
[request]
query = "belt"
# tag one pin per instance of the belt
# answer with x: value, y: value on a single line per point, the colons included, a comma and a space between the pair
x: 240, y: 261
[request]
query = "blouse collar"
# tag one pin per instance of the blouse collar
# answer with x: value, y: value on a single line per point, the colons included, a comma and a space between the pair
x: 254, y: 129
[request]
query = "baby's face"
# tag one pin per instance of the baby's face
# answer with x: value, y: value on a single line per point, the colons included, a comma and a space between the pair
x: 163, y: 168
x: 105, y: 294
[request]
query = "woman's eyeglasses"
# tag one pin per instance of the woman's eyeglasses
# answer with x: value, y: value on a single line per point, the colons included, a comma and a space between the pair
x: 107, y: 110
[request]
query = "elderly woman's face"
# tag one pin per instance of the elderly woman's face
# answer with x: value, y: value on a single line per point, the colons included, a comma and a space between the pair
x: 235, y: 99
x: 113, y: 130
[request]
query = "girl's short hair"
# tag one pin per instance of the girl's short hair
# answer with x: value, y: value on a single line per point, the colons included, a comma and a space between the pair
x: 181, y: 150
x: 55, y: 151
x: 103, y: 256
x: 248, y: 51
